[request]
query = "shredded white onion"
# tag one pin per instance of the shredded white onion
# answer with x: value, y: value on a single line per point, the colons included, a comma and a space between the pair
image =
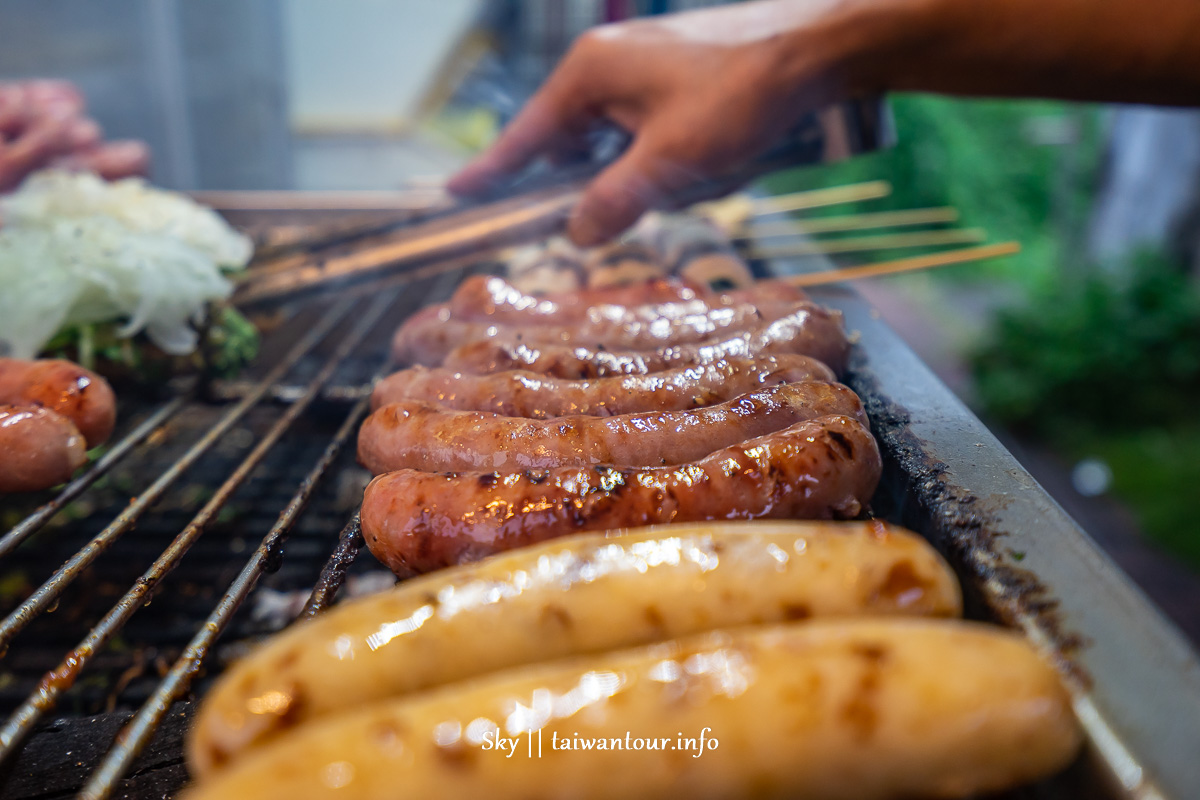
x: 76, y: 250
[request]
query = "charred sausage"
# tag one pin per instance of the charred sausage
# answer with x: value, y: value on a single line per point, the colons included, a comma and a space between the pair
x: 869, y: 709
x: 568, y: 597
x: 418, y: 521
x: 517, y: 393
x: 416, y: 435
x: 810, y: 330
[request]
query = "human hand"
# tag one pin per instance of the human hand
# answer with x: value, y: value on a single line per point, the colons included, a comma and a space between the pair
x: 703, y: 94
x: 44, y: 124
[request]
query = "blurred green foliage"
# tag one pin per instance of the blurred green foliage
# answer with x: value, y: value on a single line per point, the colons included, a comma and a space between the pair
x: 1113, y: 351
x: 1023, y: 170
x: 1100, y: 364
x: 1109, y: 368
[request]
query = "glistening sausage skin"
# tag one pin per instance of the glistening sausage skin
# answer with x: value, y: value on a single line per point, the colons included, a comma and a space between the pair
x: 78, y: 394
x: 810, y: 331
x: 418, y: 521
x: 518, y: 393
x: 416, y: 435
x: 39, y: 448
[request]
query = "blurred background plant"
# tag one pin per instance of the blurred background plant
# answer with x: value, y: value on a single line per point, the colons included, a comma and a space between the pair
x: 1095, y: 360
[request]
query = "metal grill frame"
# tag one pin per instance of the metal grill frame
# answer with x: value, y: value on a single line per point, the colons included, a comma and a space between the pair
x: 1021, y: 556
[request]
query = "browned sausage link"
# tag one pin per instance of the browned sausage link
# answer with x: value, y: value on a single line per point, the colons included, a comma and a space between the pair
x: 39, y: 448
x: 429, y: 335
x: 427, y: 339
x: 810, y: 331
x: 489, y: 298
x: 415, y: 435
x: 419, y: 521
x: 78, y: 394
x: 527, y: 394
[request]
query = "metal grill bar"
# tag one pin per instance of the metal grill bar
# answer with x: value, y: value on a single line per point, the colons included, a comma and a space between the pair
x: 20, y: 724
x: 34, y: 522
x: 350, y: 542
x: 42, y: 599
x: 137, y: 733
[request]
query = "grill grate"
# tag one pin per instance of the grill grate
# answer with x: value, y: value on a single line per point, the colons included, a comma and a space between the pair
x: 193, y: 484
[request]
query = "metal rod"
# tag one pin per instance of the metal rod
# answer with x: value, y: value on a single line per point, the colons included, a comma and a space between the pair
x: 930, y: 261
x: 862, y: 244
x: 34, y: 522
x: 227, y: 391
x: 137, y: 732
x: 53, y: 683
x: 44, y: 597
x: 333, y: 574
x: 849, y: 222
x: 525, y: 218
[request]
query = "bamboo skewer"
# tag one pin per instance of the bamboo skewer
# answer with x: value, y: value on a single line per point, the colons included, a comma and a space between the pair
x: 861, y: 244
x: 733, y: 212
x: 818, y: 198
x: 851, y: 222
x: 930, y: 261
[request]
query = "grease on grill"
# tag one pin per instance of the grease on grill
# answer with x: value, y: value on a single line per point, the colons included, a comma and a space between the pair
x: 962, y: 523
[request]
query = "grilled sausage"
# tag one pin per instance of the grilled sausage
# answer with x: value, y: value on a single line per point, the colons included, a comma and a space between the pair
x: 39, y: 448
x: 488, y: 298
x: 862, y: 709
x: 581, y: 594
x: 416, y: 435
x: 418, y: 521
x: 491, y: 299
x: 527, y: 394
x: 78, y: 394
x: 810, y: 330
x: 427, y: 338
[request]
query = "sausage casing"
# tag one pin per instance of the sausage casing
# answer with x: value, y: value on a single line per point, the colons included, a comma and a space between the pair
x: 76, y: 393
x: 416, y: 435
x: 859, y: 709
x: 582, y: 594
x: 426, y: 339
x: 810, y: 330
x: 516, y: 393
x: 418, y: 521
x: 39, y: 448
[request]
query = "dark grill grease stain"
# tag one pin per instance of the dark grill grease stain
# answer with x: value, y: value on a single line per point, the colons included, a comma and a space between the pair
x: 917, y: 494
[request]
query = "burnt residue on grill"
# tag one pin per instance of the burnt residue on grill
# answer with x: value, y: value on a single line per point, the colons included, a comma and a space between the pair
x: 917, y: 492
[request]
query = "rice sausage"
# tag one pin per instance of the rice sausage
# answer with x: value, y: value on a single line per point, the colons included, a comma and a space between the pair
x: 847, y: 709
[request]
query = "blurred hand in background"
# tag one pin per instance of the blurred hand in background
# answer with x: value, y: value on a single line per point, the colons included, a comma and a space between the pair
x: 44, y: 123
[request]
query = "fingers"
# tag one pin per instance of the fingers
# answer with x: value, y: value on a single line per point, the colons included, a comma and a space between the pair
x: 546, y: 126
x: 644, y: 177
x: 44, y: 139
x: 552, y: 123
x: 114, y: 160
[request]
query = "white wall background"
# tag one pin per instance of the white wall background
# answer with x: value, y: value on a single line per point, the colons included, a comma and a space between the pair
x: 362, y: 66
